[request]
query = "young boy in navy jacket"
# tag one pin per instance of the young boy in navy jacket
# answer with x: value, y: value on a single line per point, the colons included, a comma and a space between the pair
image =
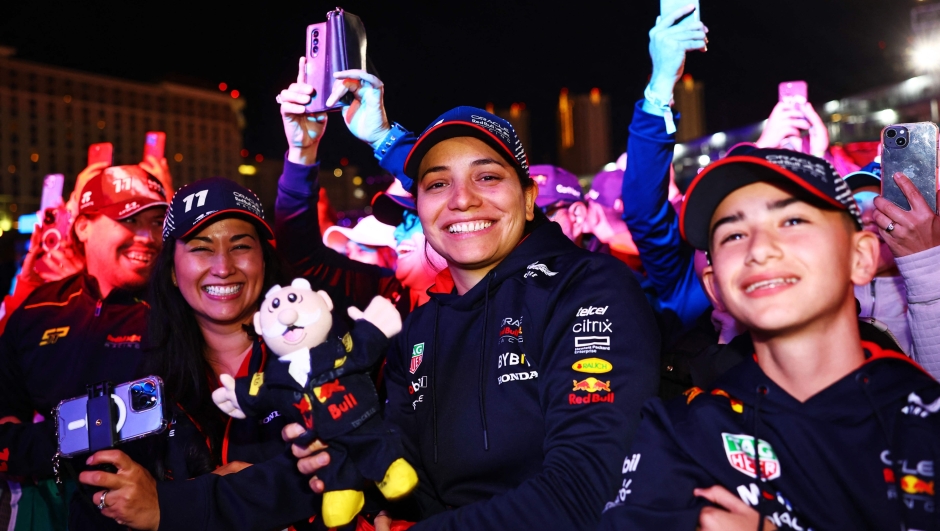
x: 846, y: 432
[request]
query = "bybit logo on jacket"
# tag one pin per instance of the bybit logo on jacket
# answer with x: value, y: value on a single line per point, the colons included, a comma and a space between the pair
x: 49, y: 337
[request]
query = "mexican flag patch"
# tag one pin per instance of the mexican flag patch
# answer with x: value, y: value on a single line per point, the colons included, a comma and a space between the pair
x: 740, y: 452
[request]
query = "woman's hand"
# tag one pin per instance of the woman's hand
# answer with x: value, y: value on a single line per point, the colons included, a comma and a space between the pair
x: 303, y: 130
x: 365, y: 116
x: 131, y: 493
x: 914, y: 230
x: 731, y: 514
x: 310, y: 458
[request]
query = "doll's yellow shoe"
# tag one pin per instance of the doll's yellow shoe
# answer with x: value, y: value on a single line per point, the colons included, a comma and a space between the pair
x: 400, y: 479
x: 341, y: 506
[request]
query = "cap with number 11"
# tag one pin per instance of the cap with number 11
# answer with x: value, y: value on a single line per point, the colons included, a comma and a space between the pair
x: 197, y: 203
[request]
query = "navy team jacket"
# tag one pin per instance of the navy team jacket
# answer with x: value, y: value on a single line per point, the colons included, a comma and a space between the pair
x: 858, y: 455
x: 517, y: 399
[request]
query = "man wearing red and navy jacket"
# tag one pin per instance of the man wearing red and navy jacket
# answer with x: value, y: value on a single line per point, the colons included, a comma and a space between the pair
x: 85, y: 328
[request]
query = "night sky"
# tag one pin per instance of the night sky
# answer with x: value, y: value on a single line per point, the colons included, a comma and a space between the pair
x: 436, y: 55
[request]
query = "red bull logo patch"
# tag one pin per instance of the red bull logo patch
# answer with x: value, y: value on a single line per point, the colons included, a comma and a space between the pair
x: 594, y: 387
x: 740, y: 452
x: 914, y: 485
x: 591, y: 385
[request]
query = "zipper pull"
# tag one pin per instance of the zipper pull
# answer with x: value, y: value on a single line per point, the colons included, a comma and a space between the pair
x: 98, y: 308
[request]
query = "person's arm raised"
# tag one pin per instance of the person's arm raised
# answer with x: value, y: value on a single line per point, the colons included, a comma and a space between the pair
x: 649, y: 215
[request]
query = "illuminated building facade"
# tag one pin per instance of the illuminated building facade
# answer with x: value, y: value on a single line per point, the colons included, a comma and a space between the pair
x: 49, y: 116
x: 584, y: 131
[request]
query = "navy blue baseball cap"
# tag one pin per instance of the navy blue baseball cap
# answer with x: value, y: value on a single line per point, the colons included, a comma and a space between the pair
x: 197, y: 203
x: 870, y: 175
x: 469, y: 121
x: 390, y: 208
x: 748, y: 165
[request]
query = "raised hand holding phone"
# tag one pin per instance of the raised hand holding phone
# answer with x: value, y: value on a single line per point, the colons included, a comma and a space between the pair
x: 912, y: 231
x: 303, y: 131
x: 669, y: 42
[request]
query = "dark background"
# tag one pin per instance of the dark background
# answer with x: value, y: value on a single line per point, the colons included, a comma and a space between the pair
x: 436, y: 55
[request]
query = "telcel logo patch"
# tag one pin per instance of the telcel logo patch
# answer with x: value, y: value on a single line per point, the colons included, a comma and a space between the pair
x: 591, y: 310
x: 592, y: 365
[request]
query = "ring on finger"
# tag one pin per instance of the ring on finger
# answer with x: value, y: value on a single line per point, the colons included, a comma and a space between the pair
x: 101, y: 503
x: 278, y: 98
x: 890, y: 227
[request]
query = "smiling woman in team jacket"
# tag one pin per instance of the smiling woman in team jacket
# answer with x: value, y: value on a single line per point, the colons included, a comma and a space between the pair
x: 517, y: 386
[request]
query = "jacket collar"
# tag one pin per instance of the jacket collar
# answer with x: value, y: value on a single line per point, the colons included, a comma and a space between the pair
x: 544, y: 242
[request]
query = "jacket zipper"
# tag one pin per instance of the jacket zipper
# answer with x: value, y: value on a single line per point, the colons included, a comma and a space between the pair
x: 871, y: 316
x: 98, y: 308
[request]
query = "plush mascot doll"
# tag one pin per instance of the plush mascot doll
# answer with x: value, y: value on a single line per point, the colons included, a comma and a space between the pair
x: 324, y: 381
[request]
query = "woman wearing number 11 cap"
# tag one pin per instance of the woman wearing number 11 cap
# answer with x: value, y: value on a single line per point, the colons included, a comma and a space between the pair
x: 518, y: 385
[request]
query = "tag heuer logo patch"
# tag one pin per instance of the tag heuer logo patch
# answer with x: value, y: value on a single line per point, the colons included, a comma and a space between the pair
x: 740, y: 452
x: 417, y: 354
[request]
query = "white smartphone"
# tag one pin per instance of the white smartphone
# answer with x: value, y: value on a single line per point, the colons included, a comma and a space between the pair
x: 140, y: 412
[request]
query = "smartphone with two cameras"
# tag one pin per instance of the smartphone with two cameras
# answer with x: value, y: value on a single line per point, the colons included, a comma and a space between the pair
x: 140, y: 411
x: 910, y: 149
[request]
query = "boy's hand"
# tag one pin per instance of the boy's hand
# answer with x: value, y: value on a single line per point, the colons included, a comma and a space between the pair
x: 303, y: 131
x: 731, y: 514
x: 911, y: 231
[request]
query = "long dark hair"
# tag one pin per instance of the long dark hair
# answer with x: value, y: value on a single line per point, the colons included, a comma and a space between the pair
x: 178, y: 347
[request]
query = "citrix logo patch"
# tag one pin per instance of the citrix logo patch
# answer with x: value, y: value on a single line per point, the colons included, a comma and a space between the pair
x: 590, y: 326
x: 49, y: 337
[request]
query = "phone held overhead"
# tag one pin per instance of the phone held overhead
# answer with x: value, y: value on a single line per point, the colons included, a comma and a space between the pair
x: 333, y: 46
x: 910, y: 149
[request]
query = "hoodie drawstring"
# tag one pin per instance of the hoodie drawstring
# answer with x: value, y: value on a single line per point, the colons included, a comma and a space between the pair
x: 862, y: 379
x: 482, y: 385
x: 761, y: 391
x: 434, y: 354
